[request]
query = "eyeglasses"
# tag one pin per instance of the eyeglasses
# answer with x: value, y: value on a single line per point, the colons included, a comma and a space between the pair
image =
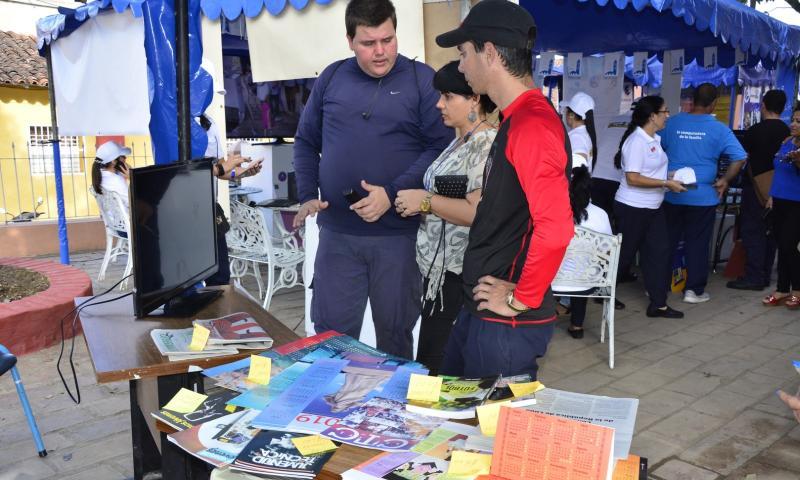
x: 663, y: 111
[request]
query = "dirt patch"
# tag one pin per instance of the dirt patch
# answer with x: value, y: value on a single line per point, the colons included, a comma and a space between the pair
x: 17, y: 283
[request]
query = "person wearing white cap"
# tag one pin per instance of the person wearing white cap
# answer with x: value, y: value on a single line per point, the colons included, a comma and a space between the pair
x: 579, y: 116
x: 109, y: 171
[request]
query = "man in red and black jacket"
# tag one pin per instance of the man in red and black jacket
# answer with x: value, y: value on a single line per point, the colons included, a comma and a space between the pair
x: 524, y: 221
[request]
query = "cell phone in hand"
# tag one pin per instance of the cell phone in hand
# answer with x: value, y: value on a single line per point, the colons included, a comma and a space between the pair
x: 352, y: 196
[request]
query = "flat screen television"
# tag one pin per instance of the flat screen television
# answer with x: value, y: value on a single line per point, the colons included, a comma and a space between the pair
x: 173, y: 232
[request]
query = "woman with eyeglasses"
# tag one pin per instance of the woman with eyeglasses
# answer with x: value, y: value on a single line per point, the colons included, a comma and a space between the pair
x: 637, y: 204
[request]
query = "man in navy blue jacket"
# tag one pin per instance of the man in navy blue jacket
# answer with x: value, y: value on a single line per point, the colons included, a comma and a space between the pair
x: 370, y: 125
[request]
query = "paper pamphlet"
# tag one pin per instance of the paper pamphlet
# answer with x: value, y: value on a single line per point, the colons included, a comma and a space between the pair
x: 294, y: 399
x: 685, y: 175
x: 185, y: 401
x: 617, y: 413
x: 424, y: 388
x: 536, y: 446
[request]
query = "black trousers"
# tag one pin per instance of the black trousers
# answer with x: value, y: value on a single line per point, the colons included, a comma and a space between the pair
x: 438, y: 317
x: 644, y: 230
x: 693, y: 225
x: 759, y: 248
x: 223, y: 275
x: 577, y: 306
x: 603, y: 192
x: 787, y: 232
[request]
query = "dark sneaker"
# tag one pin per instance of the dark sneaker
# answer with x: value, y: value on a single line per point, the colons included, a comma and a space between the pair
x: 665, y: 312
x: 742, y: 284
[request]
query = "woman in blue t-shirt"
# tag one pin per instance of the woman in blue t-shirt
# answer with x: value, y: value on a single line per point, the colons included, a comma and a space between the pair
x: 784, y: 201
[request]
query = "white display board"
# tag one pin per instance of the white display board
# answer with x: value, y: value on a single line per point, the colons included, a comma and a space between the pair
x: 100, y: 77
x: 279, y: 48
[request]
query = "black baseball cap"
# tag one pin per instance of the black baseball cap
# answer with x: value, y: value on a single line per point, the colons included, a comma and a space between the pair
x: 501, y: 22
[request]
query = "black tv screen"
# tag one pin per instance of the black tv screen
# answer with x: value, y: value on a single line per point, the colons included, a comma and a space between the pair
x: 173, y: 231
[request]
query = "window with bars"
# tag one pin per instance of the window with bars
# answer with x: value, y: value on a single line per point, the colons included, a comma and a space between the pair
x: 40, y: 152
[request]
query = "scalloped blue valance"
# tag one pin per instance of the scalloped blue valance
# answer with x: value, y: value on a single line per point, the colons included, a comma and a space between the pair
x: 596, y: 26
x: 67, y: 20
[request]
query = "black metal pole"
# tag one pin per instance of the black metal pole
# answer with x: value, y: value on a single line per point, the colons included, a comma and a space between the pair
x: 182, y: 78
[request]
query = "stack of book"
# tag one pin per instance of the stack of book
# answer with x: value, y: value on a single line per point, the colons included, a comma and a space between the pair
x: 228, y: 335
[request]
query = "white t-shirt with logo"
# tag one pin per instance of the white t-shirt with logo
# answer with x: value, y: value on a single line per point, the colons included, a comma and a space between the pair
x: 642, y: 154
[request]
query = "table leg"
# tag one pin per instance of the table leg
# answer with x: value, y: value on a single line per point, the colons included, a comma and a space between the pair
x: 145, y: 453
x: 176, y: 463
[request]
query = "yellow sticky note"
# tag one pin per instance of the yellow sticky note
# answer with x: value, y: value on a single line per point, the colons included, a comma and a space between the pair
x: 199, y: 338
x: 424, y: 388
x: 469, y: 464
x: 230, y: 408
x: 185, y: 401
x: 488, y: 416
x: 520, y: 389
x: 313, y: 445
x: 259, y: 369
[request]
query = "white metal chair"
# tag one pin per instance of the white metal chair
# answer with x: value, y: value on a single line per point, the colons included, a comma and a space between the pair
x: 250, y: 244
x: 591, y: 262
x: 117, y: 222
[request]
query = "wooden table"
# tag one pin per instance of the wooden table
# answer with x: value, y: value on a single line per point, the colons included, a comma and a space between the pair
x: 120, y: 348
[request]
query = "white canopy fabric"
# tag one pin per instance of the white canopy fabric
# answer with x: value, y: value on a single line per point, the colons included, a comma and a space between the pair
x: 100, y: 75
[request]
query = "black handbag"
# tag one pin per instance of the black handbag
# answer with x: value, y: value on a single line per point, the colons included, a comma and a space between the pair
x: 222, y: 223
x: 452, y: 186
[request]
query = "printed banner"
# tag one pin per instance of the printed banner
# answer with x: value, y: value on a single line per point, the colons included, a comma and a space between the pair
x: 574, y: 64
x: 676, y: 61
x: 710, y: 57
x: 545, y: 63
x: 639, y: 63
x: 613, y: 64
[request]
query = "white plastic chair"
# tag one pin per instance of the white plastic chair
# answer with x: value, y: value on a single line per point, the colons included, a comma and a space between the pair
x: 591, y: 262
x: 117, y: 222
x: 250, y: 244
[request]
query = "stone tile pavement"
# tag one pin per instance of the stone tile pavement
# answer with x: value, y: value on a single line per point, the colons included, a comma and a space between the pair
x: 706, y: 386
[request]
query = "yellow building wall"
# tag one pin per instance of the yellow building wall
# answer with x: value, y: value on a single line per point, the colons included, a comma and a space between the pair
x: 21, y: 108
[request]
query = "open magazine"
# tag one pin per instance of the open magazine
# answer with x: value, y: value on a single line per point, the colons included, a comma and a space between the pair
x: 617, y: 413
x: 383, y: 424
x: 235, y: 328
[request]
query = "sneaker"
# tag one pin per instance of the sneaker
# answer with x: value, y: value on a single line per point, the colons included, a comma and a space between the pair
x: 690, y: 297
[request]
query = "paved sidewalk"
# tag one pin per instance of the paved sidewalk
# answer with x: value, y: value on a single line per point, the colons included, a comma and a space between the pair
x: 706, y: 386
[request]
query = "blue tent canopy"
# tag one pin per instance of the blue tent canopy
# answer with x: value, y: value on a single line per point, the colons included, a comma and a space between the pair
x: 599, y: 26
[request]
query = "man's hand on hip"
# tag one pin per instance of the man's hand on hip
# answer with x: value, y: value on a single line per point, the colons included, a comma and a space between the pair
x: 311, y: 207
x: 492, y: 294
x: 372, y: 208
x: 721, y: 186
